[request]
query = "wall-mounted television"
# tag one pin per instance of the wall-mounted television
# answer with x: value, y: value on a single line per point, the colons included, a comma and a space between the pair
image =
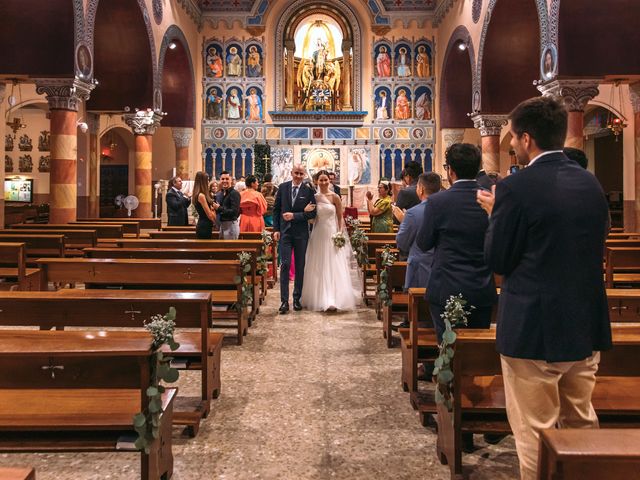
x: 18, y: 190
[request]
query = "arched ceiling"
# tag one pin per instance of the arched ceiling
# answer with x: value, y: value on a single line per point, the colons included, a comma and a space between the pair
x: 122, y: 58
x: 37, y: 38
x: 457, y: 83
x: 248, y: 5
x: 178, y: 86
x: 511, y: 56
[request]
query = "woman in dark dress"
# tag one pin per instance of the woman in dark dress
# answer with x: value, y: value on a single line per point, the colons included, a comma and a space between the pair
x: 202, y: 202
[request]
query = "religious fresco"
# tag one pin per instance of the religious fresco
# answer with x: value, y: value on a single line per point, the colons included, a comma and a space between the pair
x: 402, y: 104
x: 382, y: 60
x: 233, y: 60
x: 234, y: 103
x: 214, y: 104
x: 316, y: 159
x: 254, y: 60
x: 549, y: 63
x: 213, y: 60
x: 382, y: 103
x: 403, y: 60
x: 423, y: 107
x: 423, y: 57
x: 253, y: 107
x: 359, y: 167
x: 281, y: 164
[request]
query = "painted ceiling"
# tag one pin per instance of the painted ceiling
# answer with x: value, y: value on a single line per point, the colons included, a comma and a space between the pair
x: 247, y: 5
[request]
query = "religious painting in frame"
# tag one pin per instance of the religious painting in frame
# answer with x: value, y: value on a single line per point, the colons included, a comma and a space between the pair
x: 213, y: 60
x: 214, y: 104
x: 84, y: 65
x: 316, y: 159
x: 254, y: 67
x: 253, y: 107
x: 281, y: 164
x: 423, y: 107
x: 233, y: 60
x: 382, y: 59
x: 403, y: 60
x: 382, y: 103
x: 234, y: 103
x: 549, y: 62
x: 423, y: 60
x: 402, y: 104
x: 359, y: 166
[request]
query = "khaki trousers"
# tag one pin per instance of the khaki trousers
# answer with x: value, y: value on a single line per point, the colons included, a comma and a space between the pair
x: 542, y: 395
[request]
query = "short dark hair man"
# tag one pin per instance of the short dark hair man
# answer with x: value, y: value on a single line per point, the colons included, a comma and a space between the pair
x: 455, y: 225
x: 547, y: 240
x: 228, y: 208
x: 332, y: 179
x: 577, y: 156
x: 177, y: 203
x: 407, y: 197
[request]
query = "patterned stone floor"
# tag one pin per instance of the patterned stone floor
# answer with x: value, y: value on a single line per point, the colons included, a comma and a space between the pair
x: 308, y: 396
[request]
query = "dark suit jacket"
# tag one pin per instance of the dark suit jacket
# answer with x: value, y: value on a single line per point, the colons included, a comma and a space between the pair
x: 407, y: 197
x: 299, y: 225
x: 546, y: 237
x: 229, y: 205
x: 177, y: 208
x: 455, y: 225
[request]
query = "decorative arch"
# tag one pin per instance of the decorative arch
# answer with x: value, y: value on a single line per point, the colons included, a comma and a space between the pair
x: 348, y: 18
x: 543, y: 22
x: 456, y: 87
x: 89, y: 36
x: 178, y: 98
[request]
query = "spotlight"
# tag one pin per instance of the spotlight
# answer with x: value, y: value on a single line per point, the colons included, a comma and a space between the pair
x: 173, y: 45
x: 462, y: 46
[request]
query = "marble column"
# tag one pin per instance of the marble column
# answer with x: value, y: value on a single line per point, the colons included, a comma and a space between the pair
x: 64, y: 96
x: 3, y: 92
x: 632, y: 222
x: 182, y: 139
x: 490, y: 127
x: 574, y: 94
x: 346, y: 76
x: 93, y: 122
x: 143, y: 123
x: 290, y: 102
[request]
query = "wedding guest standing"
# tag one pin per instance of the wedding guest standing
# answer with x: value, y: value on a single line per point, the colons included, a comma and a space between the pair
x: 269, y: 191
x: 252, y: 207
x: 380, y: 210
x: 202, y: 202
x: 177, y: 204
x: 227, y: 207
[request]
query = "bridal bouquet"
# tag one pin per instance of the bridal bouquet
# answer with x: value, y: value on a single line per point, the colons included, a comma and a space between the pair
x: 339, y: 239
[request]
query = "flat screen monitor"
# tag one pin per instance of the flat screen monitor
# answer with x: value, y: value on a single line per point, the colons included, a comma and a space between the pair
x: 18, y: 190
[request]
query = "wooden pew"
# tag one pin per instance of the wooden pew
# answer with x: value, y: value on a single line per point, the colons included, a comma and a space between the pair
x: 216, y: 276
x: 103, y: 230
x: 146, y: 223
x: 74, y: 240
x: 130, y: 309
x: 369, y: 273
x: 622, y: 266
x: 128, y: 228
x: 478, y: 391
x: 79, y: 391
x: 589, y: 454
x: 399, y: 299
x: 38, y: 245
x: 13, y: 268
x: 17, y: 474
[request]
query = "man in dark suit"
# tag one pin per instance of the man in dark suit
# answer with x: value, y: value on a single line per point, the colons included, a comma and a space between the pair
x: 336, y: 187
x: 177, y: 203
x: 546, y: 236
x: 454, y: 224
x: 407, y: 197
x: 291, y: 229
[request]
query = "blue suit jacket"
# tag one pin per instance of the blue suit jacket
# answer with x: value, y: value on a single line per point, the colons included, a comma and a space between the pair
x: 299, y: 225
x: 546, y: 236
x: 419, y: 262
x: 455, y: 225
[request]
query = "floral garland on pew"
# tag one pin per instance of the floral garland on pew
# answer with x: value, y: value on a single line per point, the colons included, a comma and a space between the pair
x: 455, y: 315
x: 247, y: 287
x: 387, y: 260
x: 264, y: 258
x: 147, y: 422
x: 358, y: 241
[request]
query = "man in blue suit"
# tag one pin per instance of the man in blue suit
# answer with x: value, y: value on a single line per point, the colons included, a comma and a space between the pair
x: 291, y: 229
x: 454, y: 224
x: 546, y: 236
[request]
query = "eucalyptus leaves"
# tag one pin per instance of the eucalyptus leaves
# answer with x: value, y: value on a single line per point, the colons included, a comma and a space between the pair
x: 455, y: 315
x: 247, y: 285
x: 358, y: 241
x: 263, y: 259
x: 388, y: 258
x: 147, y: 422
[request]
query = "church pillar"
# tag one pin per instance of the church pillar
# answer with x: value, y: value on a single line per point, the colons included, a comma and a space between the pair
x: 574, y: 94
x: 64, y: 96
x: 634, y: 91
x: 143, y: 123
x: 182, y: 139
x: 290, y: 45
x: 3, y: 92
x: 490, y: 127
x: 346, y: 76
x: 93, y: 121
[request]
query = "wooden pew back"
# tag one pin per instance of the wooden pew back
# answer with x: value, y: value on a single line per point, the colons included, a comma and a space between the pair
x: 131, y: 228
x: 73, y: 239
x: 102, y: 230
x: 38, y: 245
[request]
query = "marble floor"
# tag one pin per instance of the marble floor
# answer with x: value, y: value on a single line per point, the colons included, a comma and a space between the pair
x: 308, y: 396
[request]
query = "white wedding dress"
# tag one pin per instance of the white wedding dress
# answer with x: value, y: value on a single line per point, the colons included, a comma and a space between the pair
x: 331, y: 276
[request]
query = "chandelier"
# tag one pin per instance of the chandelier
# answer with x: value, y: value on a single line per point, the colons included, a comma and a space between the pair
x: 616, y: 123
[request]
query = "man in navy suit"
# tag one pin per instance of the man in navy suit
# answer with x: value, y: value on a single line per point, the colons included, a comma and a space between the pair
x: 291, y: 229
x: 454, y: 224
x: 546, y: 236
x: 177, y: 203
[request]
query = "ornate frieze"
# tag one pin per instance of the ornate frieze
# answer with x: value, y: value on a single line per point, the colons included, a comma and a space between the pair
x: 574, y: 94
x: 64, y: 93
x: 143, y: 122
x: 451, y: 136
x: 182, y: 136
x: 489, y: 125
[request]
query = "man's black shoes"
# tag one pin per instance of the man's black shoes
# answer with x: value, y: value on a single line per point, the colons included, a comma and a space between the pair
x: 297, y: 306
x: 284, y: 308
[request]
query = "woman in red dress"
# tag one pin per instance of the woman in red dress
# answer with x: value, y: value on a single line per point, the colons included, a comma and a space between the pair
x: 252, y: 207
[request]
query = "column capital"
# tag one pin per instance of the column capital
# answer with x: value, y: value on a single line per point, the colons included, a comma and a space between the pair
x: 634, y: 93
x: 64, y: 93
x: 143, y: 122
x: 574, y: 94
x: 451, y: 136
x: 290, y: 45
x: 489, y: 124
x: 182, y: 136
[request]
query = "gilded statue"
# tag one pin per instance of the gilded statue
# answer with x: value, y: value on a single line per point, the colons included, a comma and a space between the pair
x: 318, y: 77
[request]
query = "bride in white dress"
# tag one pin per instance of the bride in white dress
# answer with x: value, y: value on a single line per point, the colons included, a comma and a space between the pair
x: 331, y: 277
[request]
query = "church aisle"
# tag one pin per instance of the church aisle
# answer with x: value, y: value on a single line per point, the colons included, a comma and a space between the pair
x: 308, y: 396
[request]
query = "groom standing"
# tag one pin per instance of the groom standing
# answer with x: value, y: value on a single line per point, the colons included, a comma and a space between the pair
x: 290, y: 227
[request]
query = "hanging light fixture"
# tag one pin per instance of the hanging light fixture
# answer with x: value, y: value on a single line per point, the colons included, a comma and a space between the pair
x: 614, y: 123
